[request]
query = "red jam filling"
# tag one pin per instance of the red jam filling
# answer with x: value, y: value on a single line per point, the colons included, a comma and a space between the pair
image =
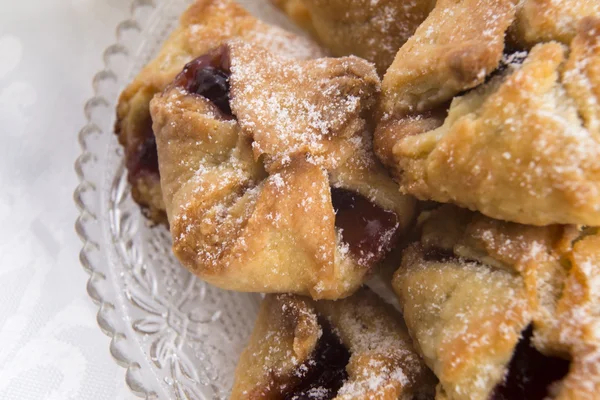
x: 208, y: 76
x: 530, y: 373
x: 367, y: 229
x: 436, y: 254
x: 143, y: 160
x: 325, y: 372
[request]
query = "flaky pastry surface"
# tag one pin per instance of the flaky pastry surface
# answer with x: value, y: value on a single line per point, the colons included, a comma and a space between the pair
x: 540, y: 21
x: 373, y: 30
x: 382, y: 363
x: 453, y: 50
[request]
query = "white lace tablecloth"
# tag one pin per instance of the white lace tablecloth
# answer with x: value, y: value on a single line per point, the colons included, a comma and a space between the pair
x: 50, y: 344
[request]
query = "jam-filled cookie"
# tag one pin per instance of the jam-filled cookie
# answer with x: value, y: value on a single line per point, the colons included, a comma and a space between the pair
x: 350, y: 349
x: 373, y: 30
x: 203, y: 26
x: 268, y: 174
x: 501, y: 310
x: 523, y: 147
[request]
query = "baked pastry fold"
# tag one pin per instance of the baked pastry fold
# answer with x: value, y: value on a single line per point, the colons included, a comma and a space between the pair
x: 540, y: 21
x: 522, y: 147
x: 355, y: 348
x: 373, y: 30
x: 276, y: 190
x: 454, y: 49
x: 203, y: 26
x: 500, y: 310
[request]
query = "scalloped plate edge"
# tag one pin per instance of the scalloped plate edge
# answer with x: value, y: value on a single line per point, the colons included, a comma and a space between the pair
x: 87, y: 211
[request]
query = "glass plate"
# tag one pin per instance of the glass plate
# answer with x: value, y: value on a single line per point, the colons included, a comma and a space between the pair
x: 178, y: 337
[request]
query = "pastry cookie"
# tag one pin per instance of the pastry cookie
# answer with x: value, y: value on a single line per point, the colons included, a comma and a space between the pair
x: 501, y: 310
x: 268, y: 174
x: 373, y: 30
x: 356, y: 348
x: 203, y: 26
x: 523, y: 147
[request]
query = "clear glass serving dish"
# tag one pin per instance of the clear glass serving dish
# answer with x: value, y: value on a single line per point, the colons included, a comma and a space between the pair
x: 178, y: 337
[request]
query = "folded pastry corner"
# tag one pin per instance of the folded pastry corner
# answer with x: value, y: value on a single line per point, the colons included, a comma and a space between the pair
x: 268, y: 174
x: 373, y: 30
x: 523, y: 147
x: 355, y: 348
x: 454, y: 49
x: 501, y: 310
x: 203, y: 26
x: 540, y: 21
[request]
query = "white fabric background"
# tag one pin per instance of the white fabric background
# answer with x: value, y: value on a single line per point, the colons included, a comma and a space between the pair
x: 50, y: 344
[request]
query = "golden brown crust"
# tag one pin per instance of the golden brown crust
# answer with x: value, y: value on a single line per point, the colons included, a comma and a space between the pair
x: 382, y: 365
x: 203, y: 26
x: 581, y: 75
x: 391, y: 131
x: 540, y: 21
x: 575, y: 326
x: 285, y: 334
x: 373, y: 30
x: 291, y: 109
x: 506, y: 275
x: 523, y: 147
x: 453, y: 50
x: 249, y: 200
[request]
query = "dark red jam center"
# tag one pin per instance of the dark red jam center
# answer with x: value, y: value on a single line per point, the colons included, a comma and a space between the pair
x: 144, y: 157
x: 325, y: 372
x: 208, y: 76
x: 510, y: 57
x: 436, y: 254
x: 368, y: 230
x: 530, y: 373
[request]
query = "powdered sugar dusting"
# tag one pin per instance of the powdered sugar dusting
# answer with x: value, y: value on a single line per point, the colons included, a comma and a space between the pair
x: 285, y: 44
x: 383, y: 363
x: 294, y: 109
